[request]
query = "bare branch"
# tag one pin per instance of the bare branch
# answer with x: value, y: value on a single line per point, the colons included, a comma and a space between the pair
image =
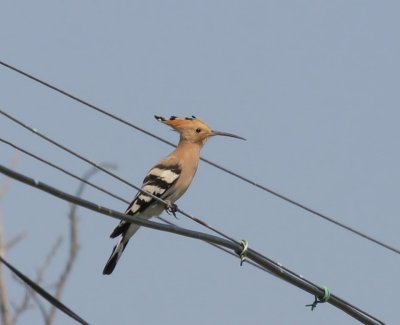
x: 38, y: 302
x: 5, y: 182
x: 73, y: 250
x: 73, y: 247
x: 4, y: 304
x: 15, y: 240
x: 46, y: 264
x: 24, y: 305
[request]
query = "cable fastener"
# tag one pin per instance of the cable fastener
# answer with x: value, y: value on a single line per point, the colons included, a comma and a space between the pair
x: 243, y: 253
x: 325, y: 298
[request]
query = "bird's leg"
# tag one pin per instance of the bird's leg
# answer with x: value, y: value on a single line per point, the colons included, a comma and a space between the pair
x: 171, y: 208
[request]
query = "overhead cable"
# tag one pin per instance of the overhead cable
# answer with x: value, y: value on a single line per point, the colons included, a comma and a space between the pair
x: 256, y: 257
x: 235, y: 174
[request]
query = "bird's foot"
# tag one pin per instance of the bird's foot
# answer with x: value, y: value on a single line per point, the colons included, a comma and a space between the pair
x: 171, y: 208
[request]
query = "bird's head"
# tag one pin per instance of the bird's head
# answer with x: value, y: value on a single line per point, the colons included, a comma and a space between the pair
x: 192, y: 129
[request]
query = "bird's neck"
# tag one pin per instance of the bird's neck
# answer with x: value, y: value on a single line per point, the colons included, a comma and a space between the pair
x: 189, y: 150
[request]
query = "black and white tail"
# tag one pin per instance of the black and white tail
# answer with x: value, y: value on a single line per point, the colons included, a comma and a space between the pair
x: 126, y: 230
x: 115, y: 255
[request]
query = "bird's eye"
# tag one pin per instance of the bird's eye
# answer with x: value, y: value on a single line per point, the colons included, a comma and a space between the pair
x: 198, y: 130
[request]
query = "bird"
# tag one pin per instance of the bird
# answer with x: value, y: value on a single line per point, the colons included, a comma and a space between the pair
x: 168, y: 179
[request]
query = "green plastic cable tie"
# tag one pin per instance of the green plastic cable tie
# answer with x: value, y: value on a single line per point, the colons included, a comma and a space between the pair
x: 325, y: 298
x: 243, y: 253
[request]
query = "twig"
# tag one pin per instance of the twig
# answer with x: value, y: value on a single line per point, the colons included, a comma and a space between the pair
x: 37, y: 300
x: 73, y: 245
x: 15, y: 240
x: 46, y: 264
x: 256, y: 257
x: 4, y: 304
x: 5, y: 183
x: 73, y: 249
x: 23, y: 306
x: 38, y: 289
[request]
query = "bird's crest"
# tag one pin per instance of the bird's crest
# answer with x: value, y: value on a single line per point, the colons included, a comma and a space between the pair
x: 192, y: 128
x: 181, y: 122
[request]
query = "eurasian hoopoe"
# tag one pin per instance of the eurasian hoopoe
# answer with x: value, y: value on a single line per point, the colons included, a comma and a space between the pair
x: 168, y: 180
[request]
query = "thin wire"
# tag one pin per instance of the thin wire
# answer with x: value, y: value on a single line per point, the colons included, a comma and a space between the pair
x: 99, y: 188
x: 277, y: 270
x: 127, y: 202
x: 72, y: 152
x: 277, y: 265
x: 35, y: 131
x: 63, y: 170
x: 51, y: 299
x: 162, y: 201
x: 220, y: 248
x: 90, y: 184
x: 243, y: 178
x: 256, y: 255
x: 197, y: 220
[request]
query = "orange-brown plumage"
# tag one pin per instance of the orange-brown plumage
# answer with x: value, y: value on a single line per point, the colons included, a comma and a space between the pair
x: 168, y: 180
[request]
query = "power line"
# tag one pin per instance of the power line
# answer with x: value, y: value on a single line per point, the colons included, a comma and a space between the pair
x: 63, y: 170
x: 35, y: 131
x: 226, y: 170
x: 79, y: 156
x: 252, y: 255
x: 126, y: 182
x: 98, y: 166
x: 51, y: 299
x: 102, y: 168
x: 85, y: 181
x: 115, y: 176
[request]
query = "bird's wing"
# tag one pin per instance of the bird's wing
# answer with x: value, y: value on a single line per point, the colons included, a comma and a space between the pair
x: 158, y: 181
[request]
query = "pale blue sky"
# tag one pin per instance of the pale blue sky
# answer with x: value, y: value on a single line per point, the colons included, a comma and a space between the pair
x: 312, y: 85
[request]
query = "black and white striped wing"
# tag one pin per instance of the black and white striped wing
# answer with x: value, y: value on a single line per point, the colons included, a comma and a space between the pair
x: 157, y: 182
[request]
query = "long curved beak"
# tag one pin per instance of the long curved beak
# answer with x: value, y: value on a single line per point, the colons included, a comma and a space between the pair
x: 226, y: 134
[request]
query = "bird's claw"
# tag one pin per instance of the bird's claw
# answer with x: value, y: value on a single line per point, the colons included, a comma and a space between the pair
x: 171, y: 208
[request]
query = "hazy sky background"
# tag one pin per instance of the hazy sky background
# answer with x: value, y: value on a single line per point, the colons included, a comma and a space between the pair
x: 312, y: 85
